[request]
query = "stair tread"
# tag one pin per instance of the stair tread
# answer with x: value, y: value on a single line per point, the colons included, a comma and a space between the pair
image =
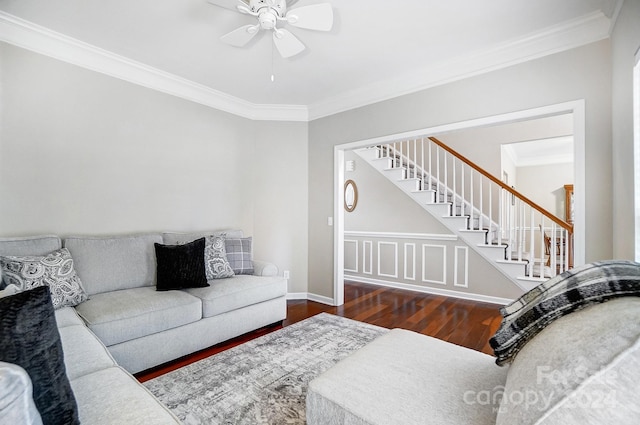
x: 516, y: 262
x: 493, y: 246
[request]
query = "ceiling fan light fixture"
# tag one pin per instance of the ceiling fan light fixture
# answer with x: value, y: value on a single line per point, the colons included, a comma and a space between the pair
x: 267, y: 20
x: 318, y: 17
x: 244, y: 9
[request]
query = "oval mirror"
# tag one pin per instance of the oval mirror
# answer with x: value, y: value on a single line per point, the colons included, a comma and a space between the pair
x: 350, y: 195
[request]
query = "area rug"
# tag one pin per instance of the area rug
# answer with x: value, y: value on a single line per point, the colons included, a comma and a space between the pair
x: 263, y: 381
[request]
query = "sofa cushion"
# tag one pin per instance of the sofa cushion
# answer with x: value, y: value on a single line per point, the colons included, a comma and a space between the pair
x: 240, y: 254
x: 67, y: 316
x: 120, y: 316
x: 54, y: 270
x: 239, y: 291
x: 404, y: 377
x: 180, y: 266
x: 178, y: 238
x: 112, y: 396
x: 114, y: 263
x: 83, y: 351
x: 31, y: 245
x: 582, y: 369
x: 16, y: 396
x: 29, y: 338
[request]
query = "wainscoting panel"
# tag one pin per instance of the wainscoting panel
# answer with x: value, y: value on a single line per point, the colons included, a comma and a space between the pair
x: 430, y: 263
x: 367, y: 257
x: 461, y: 266
x: 434, y: 264
x: 388, y: 259
x: 351, y: 256
x: 410, y: 261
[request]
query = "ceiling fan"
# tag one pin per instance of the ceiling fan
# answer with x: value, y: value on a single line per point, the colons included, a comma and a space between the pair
x: 269, y: 13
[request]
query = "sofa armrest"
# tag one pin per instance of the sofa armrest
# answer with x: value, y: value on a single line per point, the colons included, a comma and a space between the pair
x: 264, y: 268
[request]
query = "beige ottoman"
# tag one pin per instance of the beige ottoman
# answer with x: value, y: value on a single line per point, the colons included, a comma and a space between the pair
x: 406, y: 378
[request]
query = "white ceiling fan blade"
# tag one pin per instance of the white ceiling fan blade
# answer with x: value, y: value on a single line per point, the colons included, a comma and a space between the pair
x: 317, y: 17
x: 241, y: 36
x: 287, y: 44
x: 229, y: 4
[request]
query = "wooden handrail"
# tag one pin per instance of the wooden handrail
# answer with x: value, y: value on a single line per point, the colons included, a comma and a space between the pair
x: 509, y: 189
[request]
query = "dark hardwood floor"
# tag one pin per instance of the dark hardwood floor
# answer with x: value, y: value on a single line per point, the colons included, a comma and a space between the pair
x: 462, y: 322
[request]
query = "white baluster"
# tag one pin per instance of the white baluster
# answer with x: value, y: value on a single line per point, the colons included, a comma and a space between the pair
x: 445, y: 155
x: 453, y: 192
x: 415, y: 158
x: 531, y: 243
x: 422, y: 162
x: 430, y: 174
x: 542, y: 248
x: 464, y: 200
x: 500, y: 214
x: 490, y: 218
x: 480, y: 179
x: 471, y: 199
x: 438, y: 173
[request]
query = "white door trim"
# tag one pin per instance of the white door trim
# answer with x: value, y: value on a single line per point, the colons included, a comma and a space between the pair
x: 576, y: 107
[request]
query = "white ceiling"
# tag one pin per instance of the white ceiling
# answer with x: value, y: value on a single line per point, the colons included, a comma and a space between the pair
x: 376, y: 50
x: 556, y: 150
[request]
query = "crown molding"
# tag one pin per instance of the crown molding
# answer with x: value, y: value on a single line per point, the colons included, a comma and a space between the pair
x: 568, y: 35
x: 584, y: 30
x: 30, y: 36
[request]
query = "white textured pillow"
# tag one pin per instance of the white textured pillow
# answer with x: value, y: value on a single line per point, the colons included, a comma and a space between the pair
x: 582, y: 369
x: 54, y: 270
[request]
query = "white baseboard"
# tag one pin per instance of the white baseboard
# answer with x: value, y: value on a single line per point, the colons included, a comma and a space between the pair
x: 430, y: 290
x: 311, y: 297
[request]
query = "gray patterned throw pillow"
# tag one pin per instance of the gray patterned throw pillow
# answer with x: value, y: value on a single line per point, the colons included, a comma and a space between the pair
x: 215, y: 259
x: 54, y: 270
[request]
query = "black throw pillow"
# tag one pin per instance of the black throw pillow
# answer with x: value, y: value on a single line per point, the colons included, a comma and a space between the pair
x: 29, y: 337
x: 181, y: 266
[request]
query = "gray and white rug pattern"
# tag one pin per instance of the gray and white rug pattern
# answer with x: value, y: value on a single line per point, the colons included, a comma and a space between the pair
x: 263, y: 381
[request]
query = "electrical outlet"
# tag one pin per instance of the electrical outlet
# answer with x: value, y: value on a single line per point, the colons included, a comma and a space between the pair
x: 285, y: 274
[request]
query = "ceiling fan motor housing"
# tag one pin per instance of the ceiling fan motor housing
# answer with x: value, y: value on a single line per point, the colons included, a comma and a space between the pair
x: 268, y: 12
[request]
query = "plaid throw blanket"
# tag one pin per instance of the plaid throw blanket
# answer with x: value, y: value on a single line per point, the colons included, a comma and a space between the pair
x: 570, y: 291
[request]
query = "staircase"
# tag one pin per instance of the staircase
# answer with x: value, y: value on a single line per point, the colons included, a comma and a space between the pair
x: 521, y: 239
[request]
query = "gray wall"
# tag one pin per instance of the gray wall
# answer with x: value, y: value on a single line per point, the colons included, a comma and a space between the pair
x: 85, y: 153
x: 625, y: 42
x: 544, y: 184
x: 581, y: 73
x: 482, y: 145
x: 379, y: 201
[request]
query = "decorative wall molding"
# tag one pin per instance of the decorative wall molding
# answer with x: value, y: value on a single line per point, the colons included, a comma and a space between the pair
x: 461, y: 258
x: 355, y: 269
x: 426, y: 264
x: 30, y: 36
x: 571, y: 34
x: 367, y: 257
x: 394, y: 246
x: 431, y: 290
x: 410, y: 247
x: 311, y: 297
x: 568, y: 35
x: 400, y: 235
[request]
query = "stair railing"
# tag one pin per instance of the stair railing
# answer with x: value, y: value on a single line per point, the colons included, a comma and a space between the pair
x: 529, y: 233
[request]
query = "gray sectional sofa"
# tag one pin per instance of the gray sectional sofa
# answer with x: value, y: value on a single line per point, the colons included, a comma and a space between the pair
x: 126, y: 326
x: 583, y: 368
